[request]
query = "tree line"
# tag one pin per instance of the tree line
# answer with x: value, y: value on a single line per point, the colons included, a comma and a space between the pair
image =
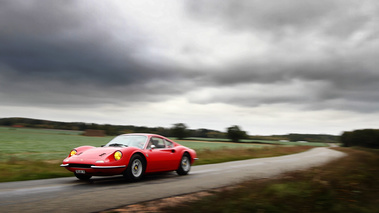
x: 363, y: 137
x: 179, y: 130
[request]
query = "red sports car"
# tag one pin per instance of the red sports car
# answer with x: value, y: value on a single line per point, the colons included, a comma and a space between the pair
x: 131, y: 155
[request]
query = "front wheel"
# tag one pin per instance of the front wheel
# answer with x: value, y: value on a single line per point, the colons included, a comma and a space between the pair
x: 185, y: 165
x: 135, y: 169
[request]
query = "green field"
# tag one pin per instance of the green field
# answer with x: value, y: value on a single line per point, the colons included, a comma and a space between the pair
x: 46, y: 144
x: 204, y: 144
x: 42, y: 144
x: 247, y: 141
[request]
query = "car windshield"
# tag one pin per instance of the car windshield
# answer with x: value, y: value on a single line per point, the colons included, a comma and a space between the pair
x: 128, y: 141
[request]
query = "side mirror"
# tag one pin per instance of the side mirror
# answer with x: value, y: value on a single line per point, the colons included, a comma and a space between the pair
x: 152, y: 147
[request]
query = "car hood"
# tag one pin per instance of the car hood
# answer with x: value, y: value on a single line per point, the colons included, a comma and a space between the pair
x: 98, y: 153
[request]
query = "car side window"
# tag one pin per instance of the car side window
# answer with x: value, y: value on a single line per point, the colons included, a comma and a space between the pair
x: 157, y: 142
x: 169, y: 144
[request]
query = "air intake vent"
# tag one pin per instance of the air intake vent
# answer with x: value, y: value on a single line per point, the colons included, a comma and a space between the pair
x: 80, y: 165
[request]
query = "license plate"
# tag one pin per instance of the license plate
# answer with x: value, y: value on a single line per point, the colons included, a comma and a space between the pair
x: 80, y: 171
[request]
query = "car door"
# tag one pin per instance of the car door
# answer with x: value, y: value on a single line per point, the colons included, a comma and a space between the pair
x: 161, y: 155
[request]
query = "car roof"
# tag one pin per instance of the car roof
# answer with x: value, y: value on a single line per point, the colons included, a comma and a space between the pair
x: 145, y: 134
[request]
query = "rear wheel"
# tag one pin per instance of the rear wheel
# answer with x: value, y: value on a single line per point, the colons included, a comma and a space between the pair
x: 135, y: 169
x: 82, y: 176
x: 185, y: 165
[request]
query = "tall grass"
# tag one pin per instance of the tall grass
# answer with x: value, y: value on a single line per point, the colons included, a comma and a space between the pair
x: 345, y: 185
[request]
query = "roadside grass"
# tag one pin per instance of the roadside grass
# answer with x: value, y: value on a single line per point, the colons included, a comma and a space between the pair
x: 349, y: 184
x: 28, y: 154
x: 15, y: 169
x: 208, y: 156
x: 18, y: 170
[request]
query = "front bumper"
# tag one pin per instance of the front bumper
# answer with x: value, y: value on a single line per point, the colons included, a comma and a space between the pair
x: 94, y: 170
x: 92, y: 166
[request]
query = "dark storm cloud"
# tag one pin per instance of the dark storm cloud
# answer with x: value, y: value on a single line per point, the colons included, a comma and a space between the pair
x: 73, y: 53
x: 61, y: 40
x: 70, y: 49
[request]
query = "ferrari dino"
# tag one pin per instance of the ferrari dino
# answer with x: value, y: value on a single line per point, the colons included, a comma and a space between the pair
x: 131, y: 155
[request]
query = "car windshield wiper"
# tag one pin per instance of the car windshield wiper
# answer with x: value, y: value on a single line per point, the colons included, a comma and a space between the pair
x: 117, y: 144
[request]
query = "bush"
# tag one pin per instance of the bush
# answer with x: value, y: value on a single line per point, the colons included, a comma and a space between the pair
x: 365, y: 138
x: 235, y: 134
x: 179, y: 130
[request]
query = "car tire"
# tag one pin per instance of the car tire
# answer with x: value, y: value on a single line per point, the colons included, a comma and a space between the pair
x: 83, y: 177
x: 135, y: 169
x: 184, y: 165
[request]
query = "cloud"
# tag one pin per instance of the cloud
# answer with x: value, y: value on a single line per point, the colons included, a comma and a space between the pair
x: 337, y: 17
x: 333, y: 43
x: 308, y: 56
x: 74, y: 49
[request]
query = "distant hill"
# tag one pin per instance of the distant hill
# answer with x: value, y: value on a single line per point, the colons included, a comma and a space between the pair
x: 120, y: 129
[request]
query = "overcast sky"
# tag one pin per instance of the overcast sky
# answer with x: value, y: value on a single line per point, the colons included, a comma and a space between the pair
x: 271, y: 67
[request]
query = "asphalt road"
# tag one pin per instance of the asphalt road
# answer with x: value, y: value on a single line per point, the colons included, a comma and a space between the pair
x: 72, y: 195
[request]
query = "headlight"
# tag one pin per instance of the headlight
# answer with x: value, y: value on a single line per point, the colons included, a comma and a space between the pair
x: 73, y: 152
x: 117, y: 155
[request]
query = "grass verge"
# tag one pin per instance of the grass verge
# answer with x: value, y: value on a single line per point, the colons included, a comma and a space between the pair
x: 209, y: 156
x: 349, y: 184
x: 17, y: 169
